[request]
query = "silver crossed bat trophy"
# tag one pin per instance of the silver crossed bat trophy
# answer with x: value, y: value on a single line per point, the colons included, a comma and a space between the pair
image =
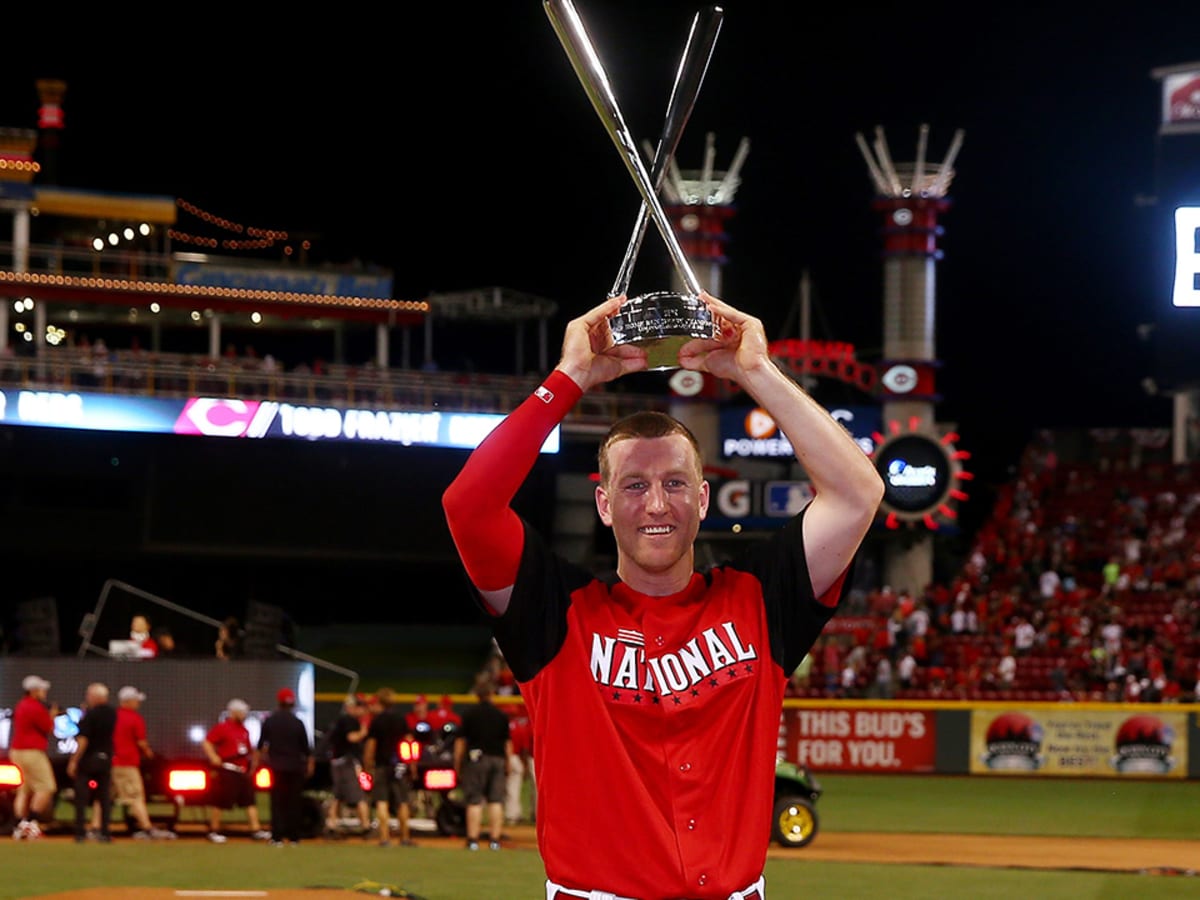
x: 661, y: 322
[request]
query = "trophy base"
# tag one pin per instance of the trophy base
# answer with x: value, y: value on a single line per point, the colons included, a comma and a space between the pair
x: 661, y: 323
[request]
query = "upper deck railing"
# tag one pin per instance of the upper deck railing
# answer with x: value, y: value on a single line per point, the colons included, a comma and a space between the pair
x: 142, y: 373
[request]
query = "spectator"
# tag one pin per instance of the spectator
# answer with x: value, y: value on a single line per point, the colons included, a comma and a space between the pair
x: 90, y: 766
x: 345, y: 742
x: 164, y: 641
x: 481, y: 753
x: 229, y: 639
x: 964, y: 619
x: 881, y: 687
x: 803, y: 673
x: 32, y: 726
x: 391, y: 786
x: 139, y: 633
x: 906, y: 671
x: 1024, y: 636
x: 233, y: 759
x: 285, y: 748
x: 1006, y: 671
x: 130, y: 748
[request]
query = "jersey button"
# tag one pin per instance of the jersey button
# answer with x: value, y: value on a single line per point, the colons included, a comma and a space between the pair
x: 691, y: 824
x: 660, y: 640
x: 702, y: 880
x: 685, y: 767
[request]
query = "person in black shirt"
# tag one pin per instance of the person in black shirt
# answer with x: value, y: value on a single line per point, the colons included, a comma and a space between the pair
x: 91, y: 763
x: 391, y: 787
x: 345, y: 742
x: 481, y: 754
x: 286, y: 750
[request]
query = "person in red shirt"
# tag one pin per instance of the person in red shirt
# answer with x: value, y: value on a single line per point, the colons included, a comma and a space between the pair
x: 655, y: 694
x: 139, y: 630
x: 233, y: 759
x: 130, y: 747
x: 32, y: 725
x: 444, y: 715
x: 419, y: 714
x: 520, y: 770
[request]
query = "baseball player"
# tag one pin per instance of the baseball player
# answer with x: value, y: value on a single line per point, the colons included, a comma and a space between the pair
x: 655, y: 694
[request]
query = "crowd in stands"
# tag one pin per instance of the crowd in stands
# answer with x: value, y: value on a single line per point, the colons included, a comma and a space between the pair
x: 1084, y: 584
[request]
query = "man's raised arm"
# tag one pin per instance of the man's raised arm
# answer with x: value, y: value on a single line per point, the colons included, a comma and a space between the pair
x: 487, y: 532
x: 848, y: 489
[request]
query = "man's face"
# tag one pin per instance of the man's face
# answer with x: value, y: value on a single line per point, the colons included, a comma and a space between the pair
x: 654, y: 502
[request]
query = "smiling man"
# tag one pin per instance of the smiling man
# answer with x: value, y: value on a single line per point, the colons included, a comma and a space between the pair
x: 655, y: 694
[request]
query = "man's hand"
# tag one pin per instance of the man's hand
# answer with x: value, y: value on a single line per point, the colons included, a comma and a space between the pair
x: 739, y: 348
x: 589, y: 356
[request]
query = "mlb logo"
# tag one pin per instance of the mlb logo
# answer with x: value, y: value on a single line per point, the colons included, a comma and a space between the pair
x: 787, y: 498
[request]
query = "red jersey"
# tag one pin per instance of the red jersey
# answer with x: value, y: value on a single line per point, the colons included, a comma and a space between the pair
x: 31, y: 725
x: 672, y: 707
x: 231, y: 740
x: 520, y: 732
x: 439, y: 718
x: 130, y: 729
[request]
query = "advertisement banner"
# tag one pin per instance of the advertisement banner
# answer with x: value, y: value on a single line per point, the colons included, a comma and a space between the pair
x: 1073, y: 742
x: 861, y: 740
x: 229, y: 417
x: 1180, y: 98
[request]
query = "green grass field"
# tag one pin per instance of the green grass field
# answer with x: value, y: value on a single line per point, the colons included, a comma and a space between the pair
x: 927, y: 805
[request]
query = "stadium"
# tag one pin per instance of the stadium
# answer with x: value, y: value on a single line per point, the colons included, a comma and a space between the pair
x: 206, y: 421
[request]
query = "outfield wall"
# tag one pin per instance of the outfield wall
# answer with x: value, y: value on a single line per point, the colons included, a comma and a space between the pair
x: 1109, y: 740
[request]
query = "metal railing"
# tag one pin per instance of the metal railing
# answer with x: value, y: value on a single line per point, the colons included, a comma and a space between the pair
x: 181, y: 375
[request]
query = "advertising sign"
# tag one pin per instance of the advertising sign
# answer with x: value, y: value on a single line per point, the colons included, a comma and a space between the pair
x: 751, y: 433
x: 229, y: 417
x: 1073, y: 742
x: 1180, y: 98
x: 286, y: 280
x: 1187, y: 257
x: 861, y: 740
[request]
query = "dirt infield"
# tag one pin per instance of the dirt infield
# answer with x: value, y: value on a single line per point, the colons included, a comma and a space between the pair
x: 1095, y: 854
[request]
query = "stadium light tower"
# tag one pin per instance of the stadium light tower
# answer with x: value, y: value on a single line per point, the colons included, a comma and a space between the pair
x: 699, y: 203
x: 919, y: 464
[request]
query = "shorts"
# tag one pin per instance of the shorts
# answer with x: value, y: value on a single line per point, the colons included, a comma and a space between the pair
x: 343, y: 772
x: 390, y: 788
x: 127, y: 785
x: 483, y: 779
x: 231, y: 790
x: 37, y: 775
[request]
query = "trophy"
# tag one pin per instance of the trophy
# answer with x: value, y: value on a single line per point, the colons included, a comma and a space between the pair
x: 661, y: 322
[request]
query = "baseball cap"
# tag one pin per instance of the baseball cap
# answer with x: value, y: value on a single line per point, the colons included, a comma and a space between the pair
x: 286, y: 696
x: 420, y: 699
x: 35, y: 683
x: 236, y: 705
x: 129, y: 692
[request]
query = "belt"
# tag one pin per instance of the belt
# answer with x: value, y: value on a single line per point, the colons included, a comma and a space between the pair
x: 756, y: 891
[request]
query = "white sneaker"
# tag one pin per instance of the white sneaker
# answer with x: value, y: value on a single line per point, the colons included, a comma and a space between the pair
x: 27, y: 830
x: 217, y: 838
x: 162, y: 834
x: 261, y: 835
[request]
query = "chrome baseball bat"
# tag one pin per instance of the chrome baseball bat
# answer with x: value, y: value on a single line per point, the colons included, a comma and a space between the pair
x: 697, y: 53
x: 580, y: 50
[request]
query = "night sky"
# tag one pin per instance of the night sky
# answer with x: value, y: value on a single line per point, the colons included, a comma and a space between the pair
x: 457, y: 147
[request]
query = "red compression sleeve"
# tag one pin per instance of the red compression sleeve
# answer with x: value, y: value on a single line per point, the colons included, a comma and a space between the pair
x: 486, y: 531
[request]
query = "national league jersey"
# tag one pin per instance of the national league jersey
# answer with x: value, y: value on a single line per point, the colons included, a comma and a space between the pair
x: 671, y: 704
